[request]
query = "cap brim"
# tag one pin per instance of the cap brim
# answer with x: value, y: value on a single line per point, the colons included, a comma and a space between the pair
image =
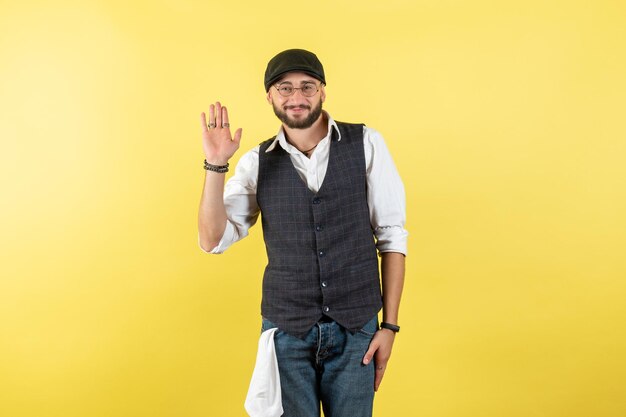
x: 280, y: 75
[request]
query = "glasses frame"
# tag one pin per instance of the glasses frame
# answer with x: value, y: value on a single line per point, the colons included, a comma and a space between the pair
x: 317, y: 89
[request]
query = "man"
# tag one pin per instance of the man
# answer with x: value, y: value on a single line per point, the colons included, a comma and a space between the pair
x: 325, y: 190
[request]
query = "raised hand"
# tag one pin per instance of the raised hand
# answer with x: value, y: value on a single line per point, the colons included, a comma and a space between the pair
x: 218, y: 143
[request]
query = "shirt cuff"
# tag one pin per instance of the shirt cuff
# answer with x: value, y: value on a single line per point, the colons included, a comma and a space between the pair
x: 225, y: 242
x: 391, y: 239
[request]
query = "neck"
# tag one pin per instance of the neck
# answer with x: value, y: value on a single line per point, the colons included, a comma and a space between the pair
x: 305, y: 139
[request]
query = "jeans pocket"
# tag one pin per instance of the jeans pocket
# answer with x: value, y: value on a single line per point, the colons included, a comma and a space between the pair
x: 266, y: 324
x: 370, y: 327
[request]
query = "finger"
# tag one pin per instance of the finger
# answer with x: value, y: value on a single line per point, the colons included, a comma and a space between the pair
x: 203, y: 121
x: 212, y: 114
x: 218, y: 114
x: 369, y: 354
x: 378, y: 376
x: 224, y: 116
x: 237, y: 137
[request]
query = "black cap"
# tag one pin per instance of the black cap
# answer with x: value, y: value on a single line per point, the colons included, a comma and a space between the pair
x: 293, y: 60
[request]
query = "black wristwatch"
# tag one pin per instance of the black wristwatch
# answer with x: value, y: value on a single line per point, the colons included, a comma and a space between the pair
x: 389, y: 326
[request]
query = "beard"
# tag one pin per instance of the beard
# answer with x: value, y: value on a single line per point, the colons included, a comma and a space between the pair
x: 314, y: 114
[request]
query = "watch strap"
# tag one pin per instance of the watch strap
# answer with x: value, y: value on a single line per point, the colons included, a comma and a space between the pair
x: 390, y: 326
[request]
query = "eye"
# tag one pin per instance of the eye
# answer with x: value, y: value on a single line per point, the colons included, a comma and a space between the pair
x: 286, y: 89
x: 309, y: 88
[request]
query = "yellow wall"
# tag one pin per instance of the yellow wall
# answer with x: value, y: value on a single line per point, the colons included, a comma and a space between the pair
x: 506, y: 121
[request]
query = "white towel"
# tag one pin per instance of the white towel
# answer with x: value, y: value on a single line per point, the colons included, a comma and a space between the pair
x: 264, y: 399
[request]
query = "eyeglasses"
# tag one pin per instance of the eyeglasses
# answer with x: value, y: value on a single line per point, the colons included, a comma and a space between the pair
x: 307, y: 90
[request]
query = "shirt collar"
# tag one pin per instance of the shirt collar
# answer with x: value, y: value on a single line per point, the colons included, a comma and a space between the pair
x: 282, y: 140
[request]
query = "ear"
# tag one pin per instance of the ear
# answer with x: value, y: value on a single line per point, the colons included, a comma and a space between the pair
x: 322, y: 93
x: 269, y: 96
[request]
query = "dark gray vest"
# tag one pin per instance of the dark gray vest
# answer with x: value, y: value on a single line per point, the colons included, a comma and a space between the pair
x: 321, y: 253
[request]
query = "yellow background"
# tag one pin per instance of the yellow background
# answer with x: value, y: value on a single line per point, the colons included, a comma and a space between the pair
x: 505, y: 119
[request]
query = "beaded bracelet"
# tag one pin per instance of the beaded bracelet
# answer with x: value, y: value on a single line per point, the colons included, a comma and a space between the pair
x: 215, y: 168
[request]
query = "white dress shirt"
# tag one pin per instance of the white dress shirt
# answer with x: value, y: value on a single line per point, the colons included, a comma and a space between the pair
x: 385, y: 191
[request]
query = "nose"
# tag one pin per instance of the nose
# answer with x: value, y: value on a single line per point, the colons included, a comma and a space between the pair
x: 297, y: 91
x: 297, y: 96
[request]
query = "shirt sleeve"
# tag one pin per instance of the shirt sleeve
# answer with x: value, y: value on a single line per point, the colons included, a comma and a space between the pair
x: 385, y: 195
x: 242, y: 210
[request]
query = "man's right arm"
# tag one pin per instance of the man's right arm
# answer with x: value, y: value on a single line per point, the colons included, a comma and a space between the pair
x: 219, y: 146
x: 212, y: 213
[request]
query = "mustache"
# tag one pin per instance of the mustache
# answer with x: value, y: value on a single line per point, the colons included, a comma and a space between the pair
x: 300, y: 106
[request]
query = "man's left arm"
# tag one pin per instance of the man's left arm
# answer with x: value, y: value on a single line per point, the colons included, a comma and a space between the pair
x: 387, y: 204
x: 392, y: 271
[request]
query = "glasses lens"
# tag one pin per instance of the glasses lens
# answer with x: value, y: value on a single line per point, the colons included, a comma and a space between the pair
x: 309, y: 89
x: 285, y: 90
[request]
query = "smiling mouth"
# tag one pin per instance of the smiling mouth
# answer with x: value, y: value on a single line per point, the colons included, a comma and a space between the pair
x: 297, y: 108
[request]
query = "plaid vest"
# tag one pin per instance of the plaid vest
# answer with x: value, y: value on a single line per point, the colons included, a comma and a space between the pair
x: 322, y: 258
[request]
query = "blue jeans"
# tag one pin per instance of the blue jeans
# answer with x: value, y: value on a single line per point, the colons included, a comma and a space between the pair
x: 327, y: 366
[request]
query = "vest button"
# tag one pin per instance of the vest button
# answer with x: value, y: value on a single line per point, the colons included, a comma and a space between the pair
x: 322, y: 253
x: 324, y: 284
x: 326, y: 309
x: 317, y: 200
x: 319, y: 227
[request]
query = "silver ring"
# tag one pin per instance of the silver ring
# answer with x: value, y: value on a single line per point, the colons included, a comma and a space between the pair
x: 211, y: 125
x: 380, y: 368
x: 225, y: 124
